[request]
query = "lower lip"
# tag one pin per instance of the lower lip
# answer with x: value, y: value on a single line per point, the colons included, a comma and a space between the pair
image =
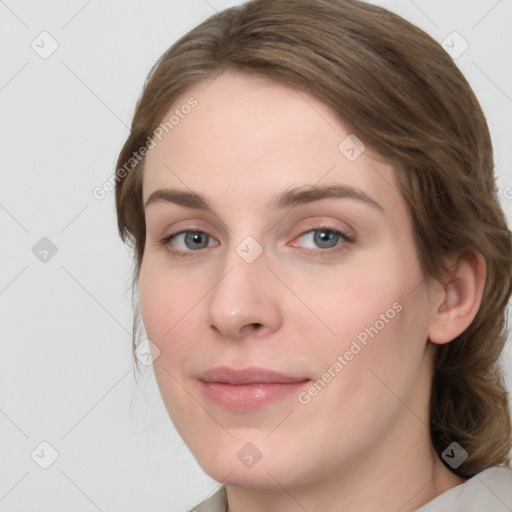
x: 244, y: 397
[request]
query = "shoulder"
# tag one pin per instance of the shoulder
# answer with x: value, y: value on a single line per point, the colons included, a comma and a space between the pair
x: 217, y: 502
x: 489, y: 490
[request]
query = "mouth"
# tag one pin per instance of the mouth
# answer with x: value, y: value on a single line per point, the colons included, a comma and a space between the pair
x: 248, y: 388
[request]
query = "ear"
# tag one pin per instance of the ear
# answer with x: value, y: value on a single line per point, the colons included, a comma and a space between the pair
x: 458, y: 299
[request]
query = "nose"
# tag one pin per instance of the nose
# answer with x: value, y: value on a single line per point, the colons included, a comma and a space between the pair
x: 245, y: 301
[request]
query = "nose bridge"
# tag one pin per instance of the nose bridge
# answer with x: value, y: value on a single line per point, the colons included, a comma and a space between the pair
x: 244, y: 296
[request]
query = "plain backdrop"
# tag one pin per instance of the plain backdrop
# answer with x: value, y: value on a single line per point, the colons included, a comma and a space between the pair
x: 68, y: 398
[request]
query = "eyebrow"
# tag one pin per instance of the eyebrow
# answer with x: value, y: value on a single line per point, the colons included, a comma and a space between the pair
x: 290, y: 198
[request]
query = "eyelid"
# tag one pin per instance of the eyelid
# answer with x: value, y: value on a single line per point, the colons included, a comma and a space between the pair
x: 348, y: 239
x: 167, y: 238
x: 165, y: 243
x: 325, y: 227
x: 185, y: 226
x: 322, y: 223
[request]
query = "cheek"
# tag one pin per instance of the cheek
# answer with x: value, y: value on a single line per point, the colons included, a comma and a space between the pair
x: 162, y: 302
x: 164, y: 307
x: 381, y: 342
x: 364, y: 300
x: 171, y: 310
x: 153, y: 302
x: 379, y: 314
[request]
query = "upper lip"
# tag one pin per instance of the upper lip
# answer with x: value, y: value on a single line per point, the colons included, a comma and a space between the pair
x: 252, y: 375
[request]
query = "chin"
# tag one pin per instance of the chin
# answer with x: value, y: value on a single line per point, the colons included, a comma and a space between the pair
x: 257, y: 477
x: 241, y: 464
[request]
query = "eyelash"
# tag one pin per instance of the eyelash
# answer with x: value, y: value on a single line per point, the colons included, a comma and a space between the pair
x: 165, y: 242
x: 345, y: 239
x: 348, y: 239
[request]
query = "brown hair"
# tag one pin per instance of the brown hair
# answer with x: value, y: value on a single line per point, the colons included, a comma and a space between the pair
x: 404, y: 97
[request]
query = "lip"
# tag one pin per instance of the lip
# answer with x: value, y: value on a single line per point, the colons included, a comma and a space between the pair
x: 247, y: 388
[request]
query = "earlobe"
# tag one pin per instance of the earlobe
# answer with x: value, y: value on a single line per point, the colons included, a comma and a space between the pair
x: 460, y: 298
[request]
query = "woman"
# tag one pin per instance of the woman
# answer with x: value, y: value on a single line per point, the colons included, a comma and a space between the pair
x: 321, y: 262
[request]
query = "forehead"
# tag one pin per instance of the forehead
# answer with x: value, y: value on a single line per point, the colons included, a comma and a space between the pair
x: 247, y: 136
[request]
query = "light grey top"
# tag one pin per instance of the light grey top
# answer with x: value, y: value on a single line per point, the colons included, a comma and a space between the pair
x: 489, y: 490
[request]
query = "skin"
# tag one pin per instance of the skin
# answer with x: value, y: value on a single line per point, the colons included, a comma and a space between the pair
x: 362, y: 443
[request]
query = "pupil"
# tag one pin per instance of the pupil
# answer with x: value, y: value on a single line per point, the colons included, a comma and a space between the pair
x: 326, y: 239
x: 195, y: 239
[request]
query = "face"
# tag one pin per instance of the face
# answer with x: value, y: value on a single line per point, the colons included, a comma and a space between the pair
x: 281, y: 285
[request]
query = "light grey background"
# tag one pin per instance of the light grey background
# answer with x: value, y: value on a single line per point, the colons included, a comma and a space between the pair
x: 66, y: 373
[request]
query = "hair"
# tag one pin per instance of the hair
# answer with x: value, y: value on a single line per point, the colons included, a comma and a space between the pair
x: 401, y: 93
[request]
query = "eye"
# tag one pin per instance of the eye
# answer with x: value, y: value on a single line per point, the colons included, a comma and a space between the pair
x: 324, y: 239
x: 187, y: 241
